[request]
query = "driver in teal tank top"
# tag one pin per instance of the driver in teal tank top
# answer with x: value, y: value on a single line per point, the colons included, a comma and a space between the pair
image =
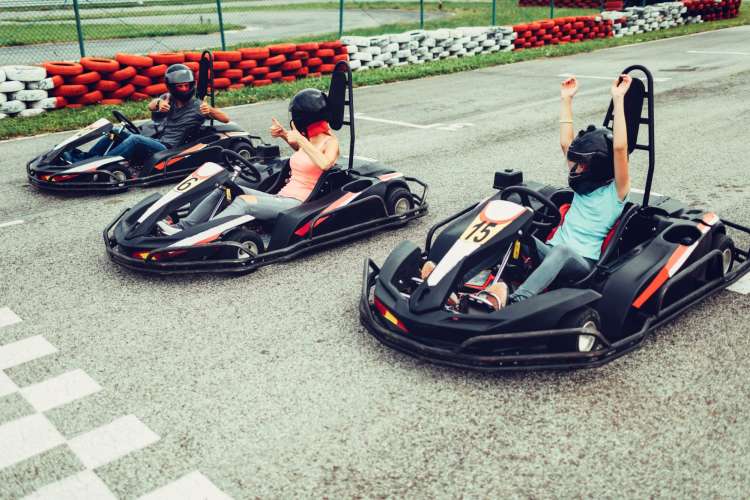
x: 597, y: 162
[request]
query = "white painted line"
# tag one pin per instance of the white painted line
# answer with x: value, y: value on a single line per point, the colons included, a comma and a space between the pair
x: 432, y: 126
x: 11, y: 223
x: 608, y: 78
x: 24, y: 351
x: 641, y: 191
x: 742, y: 285
x: 84, y: 485
x: 719, y: 52
x: 112, y: 441
x: 6, y: 385
x: 8, y: 317
x: 60, y: 390
x: 28, y: 436
x: 193, y: 486
x: 363, y: 158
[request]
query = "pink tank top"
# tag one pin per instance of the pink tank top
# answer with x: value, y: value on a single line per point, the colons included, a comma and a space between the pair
x: 305, y: 174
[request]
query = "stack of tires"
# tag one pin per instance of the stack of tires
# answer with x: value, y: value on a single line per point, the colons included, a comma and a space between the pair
x: 561, y: 31
x: 712, y: 10
x: 24, y: 91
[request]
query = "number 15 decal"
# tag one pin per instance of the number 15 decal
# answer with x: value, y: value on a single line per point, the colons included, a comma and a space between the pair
x: 480, y: 232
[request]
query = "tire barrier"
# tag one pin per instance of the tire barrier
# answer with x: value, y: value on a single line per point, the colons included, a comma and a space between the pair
x: 131, y: 77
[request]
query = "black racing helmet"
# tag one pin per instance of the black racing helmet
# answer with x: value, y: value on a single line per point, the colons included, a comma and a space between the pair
x: 179, y: 73
x: 307, y: 107
x: 593, y: 148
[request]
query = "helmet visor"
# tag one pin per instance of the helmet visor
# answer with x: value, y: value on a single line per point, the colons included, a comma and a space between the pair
x: 179, y: 76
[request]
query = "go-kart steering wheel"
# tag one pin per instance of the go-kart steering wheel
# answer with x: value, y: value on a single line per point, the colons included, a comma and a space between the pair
x: 546, y: 217
x: 231, y: 158
x: 126, y: 122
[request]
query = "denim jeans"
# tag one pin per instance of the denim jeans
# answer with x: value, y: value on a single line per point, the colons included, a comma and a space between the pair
x: 268, y: 206
x: 559, y: 260
x: 132, y: 147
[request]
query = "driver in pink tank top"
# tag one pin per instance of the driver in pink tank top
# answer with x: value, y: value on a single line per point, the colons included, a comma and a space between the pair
x: 305, y: 172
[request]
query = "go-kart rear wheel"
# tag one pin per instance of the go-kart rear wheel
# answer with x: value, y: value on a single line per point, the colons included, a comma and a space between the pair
x: 586, y: 318
x: 398, y: 201
x: 244, y: 150
x: 725, y: 245
x: 116, y: 177
x: 251, y: 242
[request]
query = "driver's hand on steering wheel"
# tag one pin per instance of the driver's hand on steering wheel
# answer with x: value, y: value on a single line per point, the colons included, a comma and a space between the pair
x: 164, y: 105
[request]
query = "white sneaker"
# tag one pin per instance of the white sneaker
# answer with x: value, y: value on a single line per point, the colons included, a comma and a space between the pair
x: 167, y: 229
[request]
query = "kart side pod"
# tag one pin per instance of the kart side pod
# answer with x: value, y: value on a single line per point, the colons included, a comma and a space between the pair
x: 508, y: 177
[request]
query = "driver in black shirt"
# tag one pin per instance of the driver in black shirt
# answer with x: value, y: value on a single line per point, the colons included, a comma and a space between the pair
x: 176, y: 114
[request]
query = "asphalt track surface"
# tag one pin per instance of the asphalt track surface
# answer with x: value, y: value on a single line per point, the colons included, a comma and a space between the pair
x: 267, y: 384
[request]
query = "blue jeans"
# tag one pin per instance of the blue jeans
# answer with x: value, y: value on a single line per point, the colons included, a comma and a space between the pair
x: 132, y: 147
x: 559, y: 260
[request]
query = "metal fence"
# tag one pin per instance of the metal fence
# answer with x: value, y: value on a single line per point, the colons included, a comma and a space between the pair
x: 32, y: 31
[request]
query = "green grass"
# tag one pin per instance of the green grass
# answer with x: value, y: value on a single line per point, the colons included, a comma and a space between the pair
x: 31, y: 34
x: 72, y: 119
x: 120, y: 5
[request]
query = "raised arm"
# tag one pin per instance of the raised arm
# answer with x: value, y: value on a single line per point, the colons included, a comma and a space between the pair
x: 568, y: 89
x: 323, y: 159
x: 211, y: 112
x: 620, y: 135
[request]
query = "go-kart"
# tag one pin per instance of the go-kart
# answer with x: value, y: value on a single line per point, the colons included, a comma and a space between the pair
x: 348, y: 201
x: 53, y: 172
x: 659, y: 259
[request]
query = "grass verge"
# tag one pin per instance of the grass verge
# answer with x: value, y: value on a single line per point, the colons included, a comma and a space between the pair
x: 31, y: 34
x: 68, y: 119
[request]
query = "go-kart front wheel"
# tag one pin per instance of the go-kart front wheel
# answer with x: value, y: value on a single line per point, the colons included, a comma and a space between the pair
x: 250, y: 241
x: 725, y: 245
x: 243, y: 150
x: 586, y: 318
x: 398, y: 201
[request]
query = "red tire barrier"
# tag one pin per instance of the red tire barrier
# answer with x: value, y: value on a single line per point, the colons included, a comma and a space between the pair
x: 192, y: 56
x: 261, y: 83
x: 141, y: 81
x: 282, y: 48
x: 167, y: 57
x: 288, y: 78
x: 86, y: 78
x: 91, y: 97
x: 248, y: 64
x: 274, y: 60
x: 134, y: 60
x: 111, y: 102
x: 302, y: 72
x: 300, y: 54
x: 335, y: 44
x: 139, y: 96
x: 124, y: 74
x: 327, y: 68
x: 221, y: 65
x: 259, y: 71
x: 236, y: 86
x: 232, y: 74
x: 247, y: 80
x: 155, y: 89
x: 155, y: 71
x: 308, y: 46
x: 74, y: 106
x: 255, y: 53
x: 227, y: 55
x: 70, y: 90
x: 60, y: 102
x: 314, y: 61
x: 100, y: 64
x: 340, y: 57
x: 291, y: 65
x: 107, y: 85
x: 325, y: 53
x: 314, y: 74
x: 63, y: 68
x: 194, y: 66
x: 222, y: 83
x: 274, y: 75
x: 123, y: 92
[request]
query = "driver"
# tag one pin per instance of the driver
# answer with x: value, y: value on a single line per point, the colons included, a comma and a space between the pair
x: 597, y: 162
x: 177, y: 113
x: 316, y: 150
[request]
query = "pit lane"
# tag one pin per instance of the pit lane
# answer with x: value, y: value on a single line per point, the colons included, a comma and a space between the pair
x: 268, y: 385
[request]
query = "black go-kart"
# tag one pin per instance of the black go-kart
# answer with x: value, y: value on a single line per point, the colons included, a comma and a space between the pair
x: 347, y: 202
x: 51, y: 171
x: 659, y: 259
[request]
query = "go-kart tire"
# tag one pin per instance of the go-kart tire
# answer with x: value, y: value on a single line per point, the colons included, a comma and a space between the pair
x: 398, y: 201
x: 725, y: 245
x: 251, y: 240
x: 579, y: 318
x: 244, y: 150
x: 119, y: 176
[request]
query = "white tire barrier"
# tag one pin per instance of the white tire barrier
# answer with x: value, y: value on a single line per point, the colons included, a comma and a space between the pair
x: 25, y: 73
x: 46, y: 84
x: 28, y: 113
x: 29, y: 95
x: 11, y: 86
x: 12, y: 107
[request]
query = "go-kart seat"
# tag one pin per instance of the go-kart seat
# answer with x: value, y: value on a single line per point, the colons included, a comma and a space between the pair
x: 624, y: 215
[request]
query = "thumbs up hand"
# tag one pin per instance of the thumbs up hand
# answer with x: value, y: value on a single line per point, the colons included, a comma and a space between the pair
x: 205, y: 109
x: 277, y: 130
x: 164, y: 104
